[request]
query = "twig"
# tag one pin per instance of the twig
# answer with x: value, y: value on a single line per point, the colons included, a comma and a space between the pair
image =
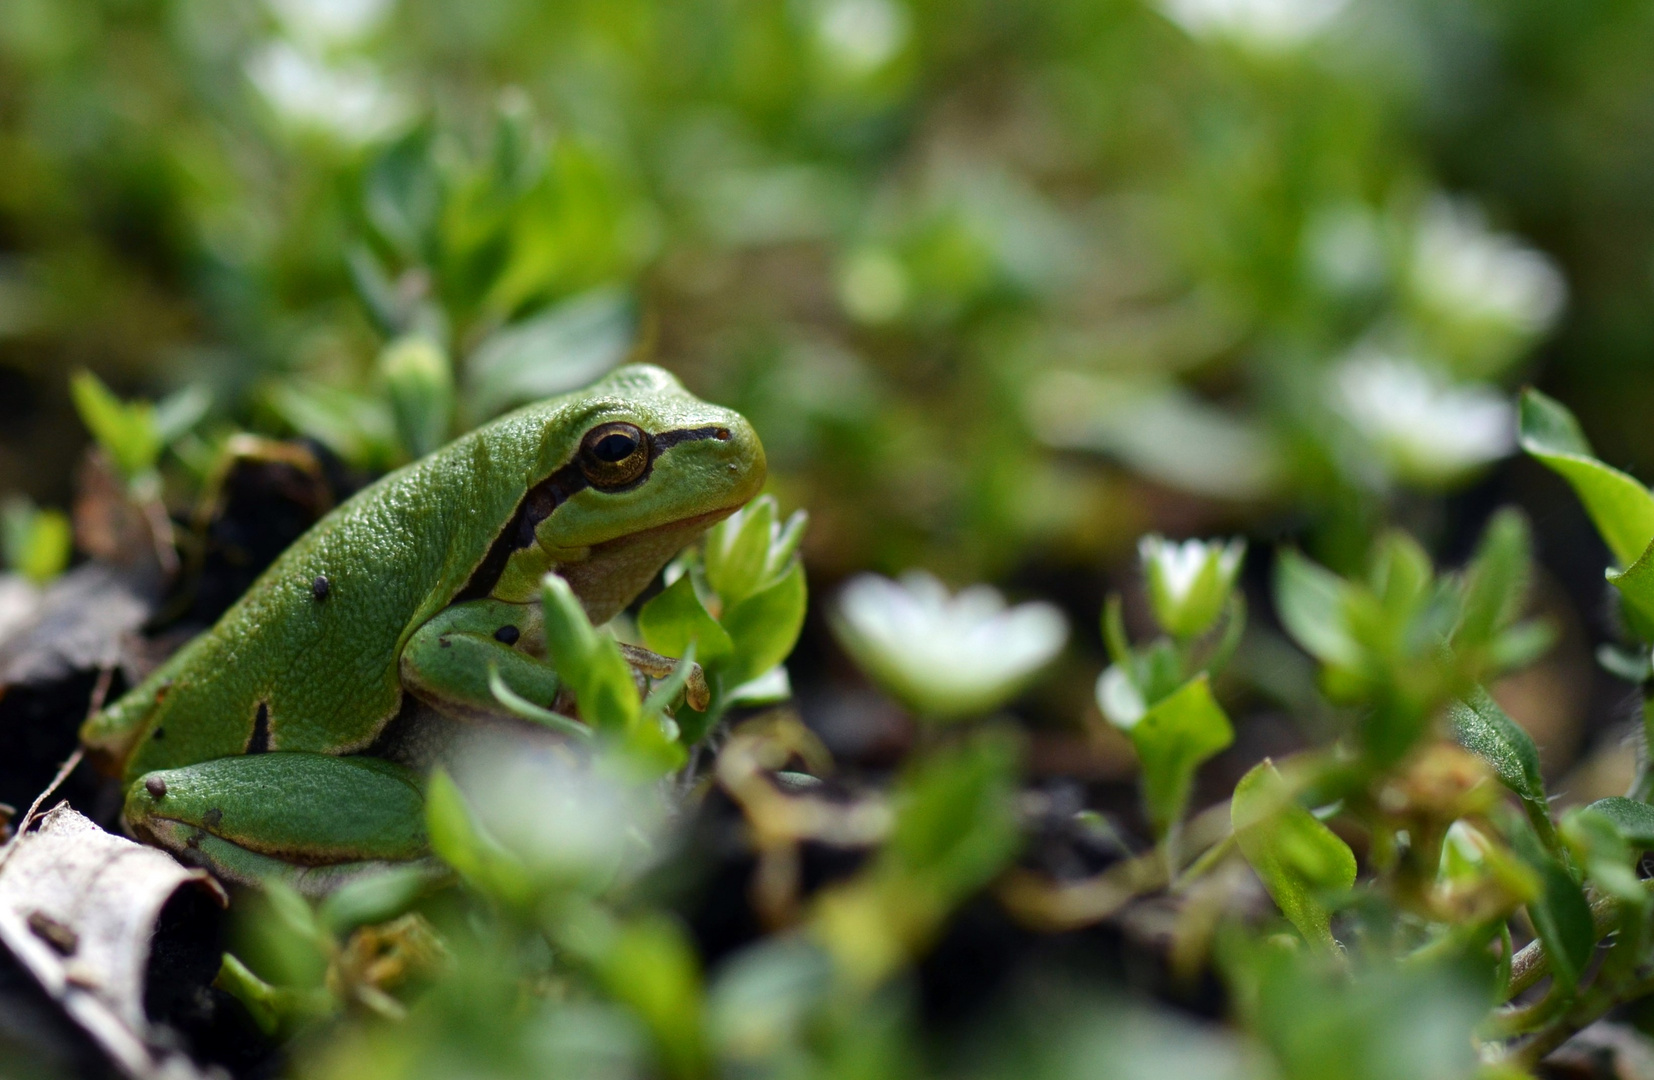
x: 1591, y: 1009
x: 1532, y: 964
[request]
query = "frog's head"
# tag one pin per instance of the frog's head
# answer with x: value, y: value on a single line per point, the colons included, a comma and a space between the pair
x: 635, y: 467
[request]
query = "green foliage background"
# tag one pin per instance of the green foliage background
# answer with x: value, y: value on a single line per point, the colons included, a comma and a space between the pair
x: 1003, y: 286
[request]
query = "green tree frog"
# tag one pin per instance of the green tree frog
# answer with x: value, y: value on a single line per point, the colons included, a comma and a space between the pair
x: 259, y: 749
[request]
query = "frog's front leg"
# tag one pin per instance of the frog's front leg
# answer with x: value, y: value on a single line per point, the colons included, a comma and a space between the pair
x: 446, y: 662
x: 311, y: 820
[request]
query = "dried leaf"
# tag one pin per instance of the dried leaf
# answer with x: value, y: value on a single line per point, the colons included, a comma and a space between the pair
x: 78, y: 907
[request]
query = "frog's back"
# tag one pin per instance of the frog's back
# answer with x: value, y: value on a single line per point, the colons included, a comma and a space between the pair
x: 299, y: 665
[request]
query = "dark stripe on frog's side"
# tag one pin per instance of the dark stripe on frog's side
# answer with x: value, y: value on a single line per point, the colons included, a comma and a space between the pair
x: 259, y: 741
x: 546, y: 496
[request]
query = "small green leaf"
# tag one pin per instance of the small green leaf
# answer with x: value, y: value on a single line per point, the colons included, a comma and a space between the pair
x: 1563, y: 921
x: 588, y: 662
x: 675, y: 619
x: 375, y: 898
x: 1633, y: 820
x: 126, y: 432
x: 1172, y: 739
x: 1311, y: 602
x: 1298, y: 859
x: 419, y: 380
x: 652, y: 967
x: 956, y: 821
x: 37, y: 543
x: 553, y: 351
x: 1560, y: 916
x: 1479, y: 725
x: 1621, y: 508
x: 765, y: 626
x: 737, y: 550
x: 524, y: 709
x: 176, y: 413
x: 458, y: 841
x: 1636, y: 588
x: 1496, y: 585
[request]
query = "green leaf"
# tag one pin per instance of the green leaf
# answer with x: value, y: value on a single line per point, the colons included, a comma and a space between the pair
x: 1479, y: 725
x: 1563, y: 921
x: 1636, y: 588
x: 587, y: 661
x: 1311, y: 602
x: 1299, y: 860
x: 1496, y: 585
x: 652, y: 967
x: 419, y: 380
x: 1548, y: 427
x: 552, y: 352
x: 1172, y: 739
x: 956, y: 823
x: 524, y: 709
x: 37, y: 543
x: 375, y: 898
x: 737, y: 550
x: 459, y: 842
x: 765, y: 626
x: 1633, y: 820
x: 675, y: 619
x: 1560, y: 916
x: 1621, y: 508
x: 176, y: 413
x: 126, y: 432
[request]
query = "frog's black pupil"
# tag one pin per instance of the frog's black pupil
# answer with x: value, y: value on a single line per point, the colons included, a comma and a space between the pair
x: 616, y: 446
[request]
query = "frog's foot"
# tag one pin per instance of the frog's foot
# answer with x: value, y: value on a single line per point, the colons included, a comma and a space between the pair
x: 652, y: 667
x: 310, y: 820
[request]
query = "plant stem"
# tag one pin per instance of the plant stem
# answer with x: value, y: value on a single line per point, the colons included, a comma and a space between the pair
x: 1531, y: 964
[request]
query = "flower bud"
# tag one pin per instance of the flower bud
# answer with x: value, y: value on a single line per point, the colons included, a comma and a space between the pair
x: 1189, y: 583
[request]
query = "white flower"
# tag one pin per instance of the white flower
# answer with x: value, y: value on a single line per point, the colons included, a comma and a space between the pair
x: 348, y: 100
x: 1265, y: 25
x: 1466, y: 270
x: 324, y: 23
x: 861, y: 36
x: 1426, y: 430
x: 1189, y: 582
x: 571, y: 824
x: 945, y: 656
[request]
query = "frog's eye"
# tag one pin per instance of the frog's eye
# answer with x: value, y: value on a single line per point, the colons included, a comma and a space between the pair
x: 612, y: 455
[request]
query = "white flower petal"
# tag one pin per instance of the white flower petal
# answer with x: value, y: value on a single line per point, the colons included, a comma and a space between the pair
x: 946, y: 655
x: 1427, y: 429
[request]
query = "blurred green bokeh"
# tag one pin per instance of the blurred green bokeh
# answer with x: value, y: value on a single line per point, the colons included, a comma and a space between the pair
x: 999, y: 283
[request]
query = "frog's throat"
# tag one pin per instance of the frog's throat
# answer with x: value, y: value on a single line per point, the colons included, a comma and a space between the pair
x: 614, y: 572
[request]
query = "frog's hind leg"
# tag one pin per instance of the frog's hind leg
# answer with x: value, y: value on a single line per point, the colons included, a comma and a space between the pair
x: 311, y: 820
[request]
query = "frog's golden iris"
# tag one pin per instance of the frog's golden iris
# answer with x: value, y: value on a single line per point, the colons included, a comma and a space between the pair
x: 614, y: 454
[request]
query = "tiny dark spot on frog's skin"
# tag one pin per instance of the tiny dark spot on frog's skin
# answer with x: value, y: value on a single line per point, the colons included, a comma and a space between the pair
x: 194, y: 840
x: 507, y: 635
x: 156, y: 787
x: 444, y: 642
x: 212, y: 817
x: 320, y: 587
x: 162, y: 691
x: 160, y: 733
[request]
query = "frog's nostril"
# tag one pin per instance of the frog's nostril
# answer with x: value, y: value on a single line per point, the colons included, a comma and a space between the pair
x: 722, y: 434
